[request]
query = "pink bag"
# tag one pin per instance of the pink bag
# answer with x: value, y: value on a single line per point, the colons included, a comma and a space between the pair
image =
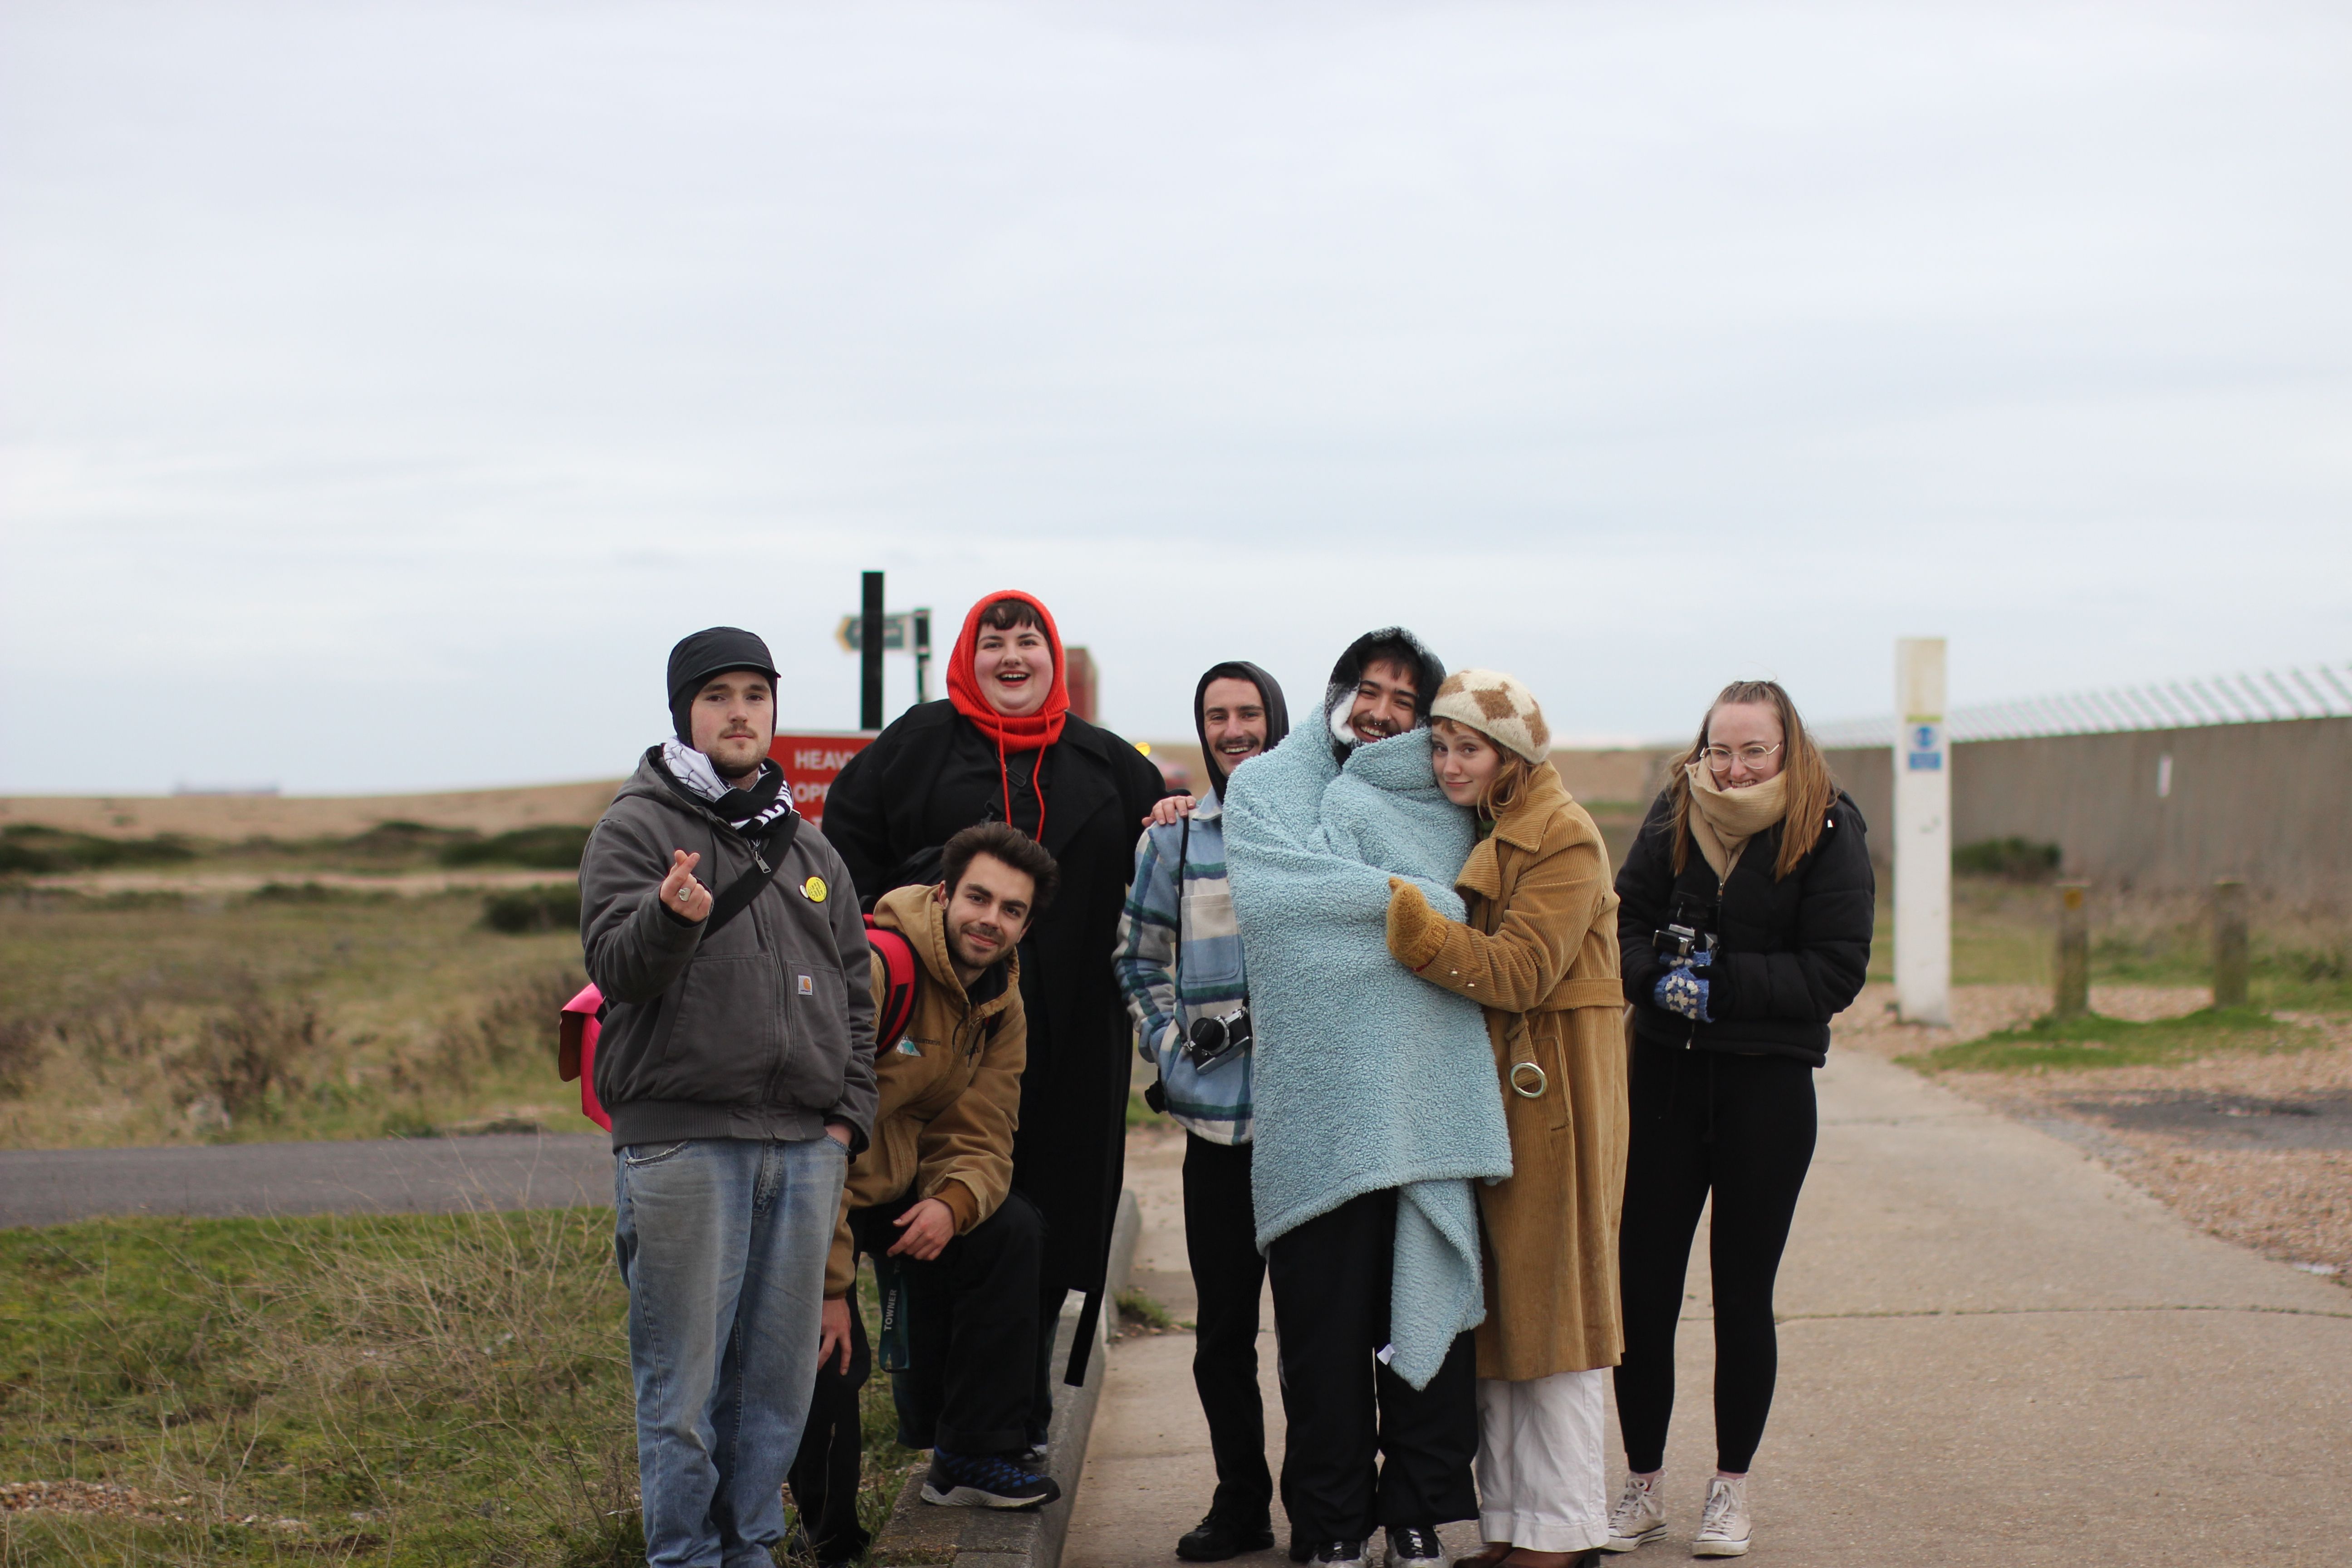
x: 575, y: 1050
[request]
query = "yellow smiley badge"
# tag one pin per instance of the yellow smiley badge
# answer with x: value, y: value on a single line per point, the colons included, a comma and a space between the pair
x: 815, y: 888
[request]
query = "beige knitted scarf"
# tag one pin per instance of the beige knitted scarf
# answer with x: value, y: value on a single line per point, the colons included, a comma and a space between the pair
x: 1724, y: 820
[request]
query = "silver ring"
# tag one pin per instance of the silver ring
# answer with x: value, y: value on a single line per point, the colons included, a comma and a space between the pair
x: 685, y: 894
x: 1525, y: 1093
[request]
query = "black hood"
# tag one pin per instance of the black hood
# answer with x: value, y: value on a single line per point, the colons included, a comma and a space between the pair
x: 715, y: 651
x: 1269, y: 691
x: 1389, y: 643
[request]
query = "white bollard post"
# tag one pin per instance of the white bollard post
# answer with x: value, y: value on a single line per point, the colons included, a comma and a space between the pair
x: 1922, y: 836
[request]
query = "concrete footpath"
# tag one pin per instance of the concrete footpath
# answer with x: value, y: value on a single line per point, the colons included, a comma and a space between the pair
x: 1993, y: 1352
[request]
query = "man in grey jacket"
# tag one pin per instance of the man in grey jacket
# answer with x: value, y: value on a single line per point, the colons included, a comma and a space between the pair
x: 737, y: 1062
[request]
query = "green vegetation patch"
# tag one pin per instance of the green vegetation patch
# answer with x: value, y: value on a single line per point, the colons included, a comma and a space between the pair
x: 400, y: 1390
x: 523, y: 910
x: 29, y: 848
x: 1138, y: 1306
x: 554, y: 848
x: 2012, y: 859
x: 2093, y: 1041
x: 412, y: 1389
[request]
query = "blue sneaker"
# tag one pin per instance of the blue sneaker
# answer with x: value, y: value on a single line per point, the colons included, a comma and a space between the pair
x: 984, y: 1481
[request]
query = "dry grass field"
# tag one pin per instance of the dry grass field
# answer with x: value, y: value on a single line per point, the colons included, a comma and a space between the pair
x: 296, y: 1011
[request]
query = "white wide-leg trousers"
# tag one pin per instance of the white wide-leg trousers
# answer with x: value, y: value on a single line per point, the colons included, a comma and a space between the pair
x: 1542, y: 1451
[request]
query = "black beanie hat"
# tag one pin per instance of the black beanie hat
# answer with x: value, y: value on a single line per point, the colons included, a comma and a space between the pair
x: 697, y: 658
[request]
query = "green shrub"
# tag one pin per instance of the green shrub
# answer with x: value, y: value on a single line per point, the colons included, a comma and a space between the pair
x: 2012, y: 859
x: 520, y: 911
x: 27, y: 846
x: 316, y: 893
x: 398, y: 839
x: 555, y: 847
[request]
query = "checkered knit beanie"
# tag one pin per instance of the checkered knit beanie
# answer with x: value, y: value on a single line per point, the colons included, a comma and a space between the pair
x: 1498, y: 708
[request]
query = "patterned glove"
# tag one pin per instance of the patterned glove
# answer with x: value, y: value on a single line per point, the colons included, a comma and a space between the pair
x: 1682, y: 992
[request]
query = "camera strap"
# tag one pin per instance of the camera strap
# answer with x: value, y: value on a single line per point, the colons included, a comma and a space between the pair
x: 1156, y: 1096
x: 1176, y: 959
x: 754, y: 880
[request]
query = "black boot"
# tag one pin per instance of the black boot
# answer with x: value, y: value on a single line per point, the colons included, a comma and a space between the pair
x: 1213, y: 1538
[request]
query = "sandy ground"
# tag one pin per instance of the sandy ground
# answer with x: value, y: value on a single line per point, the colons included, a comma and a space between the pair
x: 242, y: 817
x: 224, y: 884
x: 2238, y: 1144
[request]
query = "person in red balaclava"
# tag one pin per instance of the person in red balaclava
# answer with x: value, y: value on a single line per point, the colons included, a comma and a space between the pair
x: 1004, y: 747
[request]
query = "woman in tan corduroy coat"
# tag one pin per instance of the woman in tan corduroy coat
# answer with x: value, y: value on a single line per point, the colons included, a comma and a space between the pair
x: 1539, y: 953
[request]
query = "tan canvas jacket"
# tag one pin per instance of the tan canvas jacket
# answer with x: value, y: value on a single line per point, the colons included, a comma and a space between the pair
x: 950, y: 1093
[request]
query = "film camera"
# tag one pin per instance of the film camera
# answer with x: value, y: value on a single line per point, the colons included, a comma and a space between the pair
x: 1685, y: 935
x: 1213, y: 1041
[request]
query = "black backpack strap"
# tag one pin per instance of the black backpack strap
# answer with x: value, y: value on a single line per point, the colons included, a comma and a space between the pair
x: 767, y: 860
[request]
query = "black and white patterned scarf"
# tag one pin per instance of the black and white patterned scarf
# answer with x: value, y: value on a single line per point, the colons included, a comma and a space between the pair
x: 748, y: 811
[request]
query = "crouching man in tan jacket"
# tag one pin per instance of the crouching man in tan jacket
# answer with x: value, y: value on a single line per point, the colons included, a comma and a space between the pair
x: 930, y: 1201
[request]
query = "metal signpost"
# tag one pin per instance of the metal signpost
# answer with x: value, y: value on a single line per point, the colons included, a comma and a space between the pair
x: 1922, y: 836
x: 903, y: 631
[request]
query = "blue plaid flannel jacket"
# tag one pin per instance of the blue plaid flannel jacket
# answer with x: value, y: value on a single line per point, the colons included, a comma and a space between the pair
x: 1214, y: 1103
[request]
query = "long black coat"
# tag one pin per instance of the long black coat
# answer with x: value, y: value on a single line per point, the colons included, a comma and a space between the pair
x: 931, y: 773
x: 1791, y: 954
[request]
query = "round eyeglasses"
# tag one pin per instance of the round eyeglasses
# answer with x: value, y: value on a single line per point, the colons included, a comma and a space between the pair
x: 1755, y: 755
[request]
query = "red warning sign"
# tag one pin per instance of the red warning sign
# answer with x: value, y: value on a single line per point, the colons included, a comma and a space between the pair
x: 811, y: 760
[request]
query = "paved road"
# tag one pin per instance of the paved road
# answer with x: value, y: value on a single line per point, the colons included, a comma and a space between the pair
x: 1994, y: 1353
x: 391, y: 1175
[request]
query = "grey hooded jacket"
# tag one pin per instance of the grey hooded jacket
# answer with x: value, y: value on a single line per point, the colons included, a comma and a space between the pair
x: 766, y: 1029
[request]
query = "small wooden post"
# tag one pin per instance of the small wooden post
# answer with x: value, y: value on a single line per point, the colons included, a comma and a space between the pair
x: 2229, y: 964
x: 2073, y: 998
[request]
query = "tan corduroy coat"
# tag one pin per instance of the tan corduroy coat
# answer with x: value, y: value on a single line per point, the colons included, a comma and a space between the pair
x: 950, y: 1096
x: 1539, y: 953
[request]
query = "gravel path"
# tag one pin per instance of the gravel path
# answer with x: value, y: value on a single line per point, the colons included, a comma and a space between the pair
x: 390, y: 1176
x: 2255, y: 1148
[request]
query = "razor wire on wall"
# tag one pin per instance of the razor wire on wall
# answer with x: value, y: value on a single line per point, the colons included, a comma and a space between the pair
x: 2320, y: 692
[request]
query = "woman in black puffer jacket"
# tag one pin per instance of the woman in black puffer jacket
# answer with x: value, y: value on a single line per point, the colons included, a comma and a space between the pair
x: 1743, y: 922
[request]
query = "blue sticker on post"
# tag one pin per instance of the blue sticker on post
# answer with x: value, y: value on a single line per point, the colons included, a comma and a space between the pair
x: 1924, y: 746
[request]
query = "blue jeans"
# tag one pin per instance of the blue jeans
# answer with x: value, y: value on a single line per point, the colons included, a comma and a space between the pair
x: 722, y: 1244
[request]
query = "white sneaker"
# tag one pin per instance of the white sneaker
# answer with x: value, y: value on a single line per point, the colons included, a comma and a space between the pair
x: 1723, y: 1528
x: 1638, y: 1518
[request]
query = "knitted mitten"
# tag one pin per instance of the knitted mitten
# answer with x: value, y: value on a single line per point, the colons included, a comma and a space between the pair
x: 1680, y: 990
x: 1416, y: 932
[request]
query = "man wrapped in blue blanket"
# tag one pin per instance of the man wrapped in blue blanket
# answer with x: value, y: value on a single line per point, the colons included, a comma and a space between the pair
x: 1376, y: 1107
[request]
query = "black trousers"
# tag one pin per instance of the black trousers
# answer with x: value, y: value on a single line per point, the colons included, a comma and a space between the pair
x: 970, y: 1329
x: 1331, y: 1316
x: 824, y: 1476
x: 1220, y: 1243
x: 1742, y: 1128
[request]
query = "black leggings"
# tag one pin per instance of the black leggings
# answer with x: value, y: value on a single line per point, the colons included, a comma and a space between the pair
x: 1741, y: 1127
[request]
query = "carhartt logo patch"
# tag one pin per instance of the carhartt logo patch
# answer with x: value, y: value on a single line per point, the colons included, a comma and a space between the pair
x: 808, y: 986
x: 815, y: 888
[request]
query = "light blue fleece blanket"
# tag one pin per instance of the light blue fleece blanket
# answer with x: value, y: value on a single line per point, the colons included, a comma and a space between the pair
x: 1367, y: 1077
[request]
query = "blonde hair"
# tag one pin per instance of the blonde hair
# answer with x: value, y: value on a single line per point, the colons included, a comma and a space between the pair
x: 1510, y: 780
x: 1811, y: 789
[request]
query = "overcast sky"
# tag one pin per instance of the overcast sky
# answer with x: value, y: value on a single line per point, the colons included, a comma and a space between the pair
x: 385, y: 387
